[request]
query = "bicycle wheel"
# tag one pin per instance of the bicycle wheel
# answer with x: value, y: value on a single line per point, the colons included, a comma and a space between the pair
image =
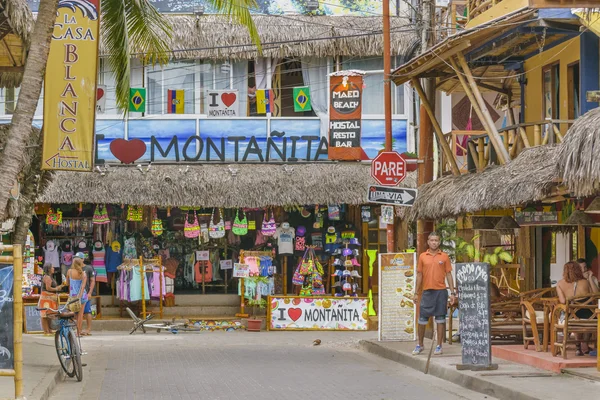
x: 61, y: 342
x: 76, y: 355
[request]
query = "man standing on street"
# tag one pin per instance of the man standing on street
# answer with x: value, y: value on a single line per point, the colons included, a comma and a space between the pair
x: 91, y: 284
x: 433, y: 270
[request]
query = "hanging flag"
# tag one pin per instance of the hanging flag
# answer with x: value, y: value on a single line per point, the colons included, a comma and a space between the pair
x: 302, y: 99
x: 137, y: 99
x: 175, y: 101
x: 264, y: 101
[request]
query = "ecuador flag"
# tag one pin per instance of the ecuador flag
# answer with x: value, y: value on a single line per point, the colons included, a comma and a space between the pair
x: 264, y: 101
x: 175, y: 102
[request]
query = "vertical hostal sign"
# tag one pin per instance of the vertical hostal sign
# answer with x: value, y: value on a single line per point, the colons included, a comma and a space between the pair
x: 345, y: 117
x: 70, y: 87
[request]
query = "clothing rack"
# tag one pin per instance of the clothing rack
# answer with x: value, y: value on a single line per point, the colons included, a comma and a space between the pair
x: 243, y: 254
x: 147, y: 265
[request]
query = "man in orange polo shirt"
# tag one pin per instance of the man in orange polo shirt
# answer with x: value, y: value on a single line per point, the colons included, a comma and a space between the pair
x: 433, y: 270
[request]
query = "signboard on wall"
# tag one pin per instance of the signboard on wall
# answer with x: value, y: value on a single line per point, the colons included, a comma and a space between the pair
x: 396, y: 293
x: 70, y: 88
x: 345, y: 117
x: 317, y: 313
x: 542, y: 215
x: 6, y: 317
x: 222, y: 103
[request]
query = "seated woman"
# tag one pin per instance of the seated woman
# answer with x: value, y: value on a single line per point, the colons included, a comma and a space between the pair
x: 574, y: 284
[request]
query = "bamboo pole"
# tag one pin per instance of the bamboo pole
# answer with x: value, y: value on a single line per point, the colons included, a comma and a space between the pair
x: 481, y: 152
x: 501, y: 152
x: 142, y: 277
x: 559, y: 135
x: 474, y: 154
x: 160, y: 278
x: 524, y: 137
x: 436, y: 126
x: 18, y: 322
x: 537, y: 135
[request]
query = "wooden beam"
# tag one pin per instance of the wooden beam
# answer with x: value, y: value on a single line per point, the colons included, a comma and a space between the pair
x: 502, y: 154
x: 10, y: 55
x: 494, y: 88
x: 524, y: 137
x: 12, y: 69
x: 474, y: 155
x: 436, y: 126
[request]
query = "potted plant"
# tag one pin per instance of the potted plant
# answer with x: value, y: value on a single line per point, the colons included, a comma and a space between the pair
x: 255, y: 322
x: 410, y: 156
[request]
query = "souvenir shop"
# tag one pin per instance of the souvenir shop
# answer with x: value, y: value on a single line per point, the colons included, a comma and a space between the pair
x: 311, y: 250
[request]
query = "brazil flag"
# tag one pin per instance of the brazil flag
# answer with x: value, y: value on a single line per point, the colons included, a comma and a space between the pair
x: 302, y: 99
x: 137, y: 100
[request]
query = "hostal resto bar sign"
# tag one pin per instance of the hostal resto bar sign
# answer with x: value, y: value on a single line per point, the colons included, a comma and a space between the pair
x: 345, y: 117
x: 70, y: 87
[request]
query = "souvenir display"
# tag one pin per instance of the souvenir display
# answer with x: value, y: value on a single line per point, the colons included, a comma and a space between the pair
x: 135, y: 213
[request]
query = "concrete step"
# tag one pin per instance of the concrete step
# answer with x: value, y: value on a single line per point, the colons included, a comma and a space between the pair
x: 194, y: 300
x: 126, y: 324
x: 180, y: 311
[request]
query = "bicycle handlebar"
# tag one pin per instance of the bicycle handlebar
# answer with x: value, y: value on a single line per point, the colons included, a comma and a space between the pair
x: 57, y: 310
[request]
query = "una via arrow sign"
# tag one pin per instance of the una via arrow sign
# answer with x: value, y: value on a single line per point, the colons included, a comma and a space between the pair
x: 391, y: 195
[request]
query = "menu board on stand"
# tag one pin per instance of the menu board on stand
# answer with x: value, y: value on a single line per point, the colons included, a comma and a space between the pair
x: 473, y: 281
x: 396, y: 296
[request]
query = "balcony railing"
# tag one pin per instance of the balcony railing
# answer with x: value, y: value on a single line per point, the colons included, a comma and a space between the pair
x: 473, y: 149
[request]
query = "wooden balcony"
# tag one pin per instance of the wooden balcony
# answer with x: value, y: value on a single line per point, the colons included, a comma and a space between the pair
x: 482, y: 11
x: 473, y: 151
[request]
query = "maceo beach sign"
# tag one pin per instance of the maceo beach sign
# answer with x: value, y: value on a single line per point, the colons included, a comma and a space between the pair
x: 70, y: 87
x: 345, y: 117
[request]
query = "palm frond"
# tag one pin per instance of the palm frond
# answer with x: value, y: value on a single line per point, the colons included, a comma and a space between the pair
x: 116, y: 38
x: 127, y: 25
x: 239, y: 11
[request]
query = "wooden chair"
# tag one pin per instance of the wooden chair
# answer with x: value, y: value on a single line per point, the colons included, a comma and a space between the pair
x: 572, y: 324
x: 532, y: 315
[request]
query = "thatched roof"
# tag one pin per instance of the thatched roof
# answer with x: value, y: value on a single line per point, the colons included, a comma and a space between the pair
x: 578, y: 156
x: 216, y: 37
x: 210, y: 185
x: 528, y: 178
x: 16, y: 25
x: 30, y: 177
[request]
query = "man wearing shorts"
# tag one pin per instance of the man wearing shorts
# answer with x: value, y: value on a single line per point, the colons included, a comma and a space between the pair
x: 87, y: 309
x: 433, y: 270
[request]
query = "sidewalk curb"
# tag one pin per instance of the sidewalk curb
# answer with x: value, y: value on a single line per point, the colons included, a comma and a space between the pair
x: 449, y: 374
x: 44, y: 389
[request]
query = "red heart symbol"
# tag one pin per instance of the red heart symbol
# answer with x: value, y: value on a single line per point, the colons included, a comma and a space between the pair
x: 99, y: 93
x: 128, y: 151
x: 295, y: 313
x: 228, y: 98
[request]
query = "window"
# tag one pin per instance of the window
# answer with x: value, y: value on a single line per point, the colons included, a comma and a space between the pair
x: 551, y: 100
x: 573, y: 88
x: 373, y: 91
x: 195, y: 78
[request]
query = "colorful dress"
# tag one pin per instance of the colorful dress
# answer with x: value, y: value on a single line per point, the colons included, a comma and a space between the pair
x: 99, y: 265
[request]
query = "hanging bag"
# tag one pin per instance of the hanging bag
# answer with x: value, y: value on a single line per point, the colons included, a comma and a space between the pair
x: 100, y: 215
x: 216, y: 231
x: 240, y: 226
x: 191, y: 230
x: 157, y: 225
x: 54, y: 218
x: 268, y: 227
x: 135, y: 213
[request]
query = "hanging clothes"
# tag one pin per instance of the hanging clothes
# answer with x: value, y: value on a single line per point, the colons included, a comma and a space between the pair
x: 51, y: 254
x: 135, y: 288
x: 113, y: 257
x: 203, y: 271
x: 98, y: 257
x: 130, y: 251
x: 155, y: 284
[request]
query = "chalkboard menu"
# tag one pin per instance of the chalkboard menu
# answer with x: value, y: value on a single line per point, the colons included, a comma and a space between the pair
x: 6, y: 317
x: 474, y: 304
x: 396, y: 296
x: 31, y: 316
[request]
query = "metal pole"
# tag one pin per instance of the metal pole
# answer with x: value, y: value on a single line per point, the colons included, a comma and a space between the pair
x: 142, y: 277
x: 387, y: 103
x: 18, y: 322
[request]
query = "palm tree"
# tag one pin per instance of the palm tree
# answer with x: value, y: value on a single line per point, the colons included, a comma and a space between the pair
x: 126, y: 25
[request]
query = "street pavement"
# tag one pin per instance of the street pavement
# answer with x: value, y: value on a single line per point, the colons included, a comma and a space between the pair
x: 234, y: 365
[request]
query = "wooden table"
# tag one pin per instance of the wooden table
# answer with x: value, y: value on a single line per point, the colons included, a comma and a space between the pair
x: 549, y: 304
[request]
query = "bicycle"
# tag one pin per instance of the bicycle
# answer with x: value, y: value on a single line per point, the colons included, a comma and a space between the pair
x: 68, y: 345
